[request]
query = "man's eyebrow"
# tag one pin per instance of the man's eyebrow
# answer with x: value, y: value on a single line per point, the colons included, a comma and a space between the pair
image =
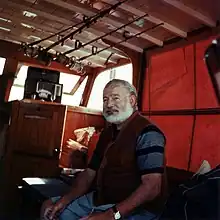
x: 111, y: 95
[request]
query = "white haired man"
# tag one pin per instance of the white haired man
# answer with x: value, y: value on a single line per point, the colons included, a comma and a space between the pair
x: 127, y: 166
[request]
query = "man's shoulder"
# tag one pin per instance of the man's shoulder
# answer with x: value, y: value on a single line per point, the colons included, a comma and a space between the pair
x: 151, y: 128
x: 151, y: 135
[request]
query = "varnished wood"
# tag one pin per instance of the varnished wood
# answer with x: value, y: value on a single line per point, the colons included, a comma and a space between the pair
x: 78, y: 117
x: 84, y: 110
x: 88, y: 89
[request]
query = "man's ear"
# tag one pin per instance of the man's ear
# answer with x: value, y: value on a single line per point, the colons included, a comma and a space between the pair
x: 133, y: 100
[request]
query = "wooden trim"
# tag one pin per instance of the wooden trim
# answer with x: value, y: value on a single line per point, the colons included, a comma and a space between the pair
x: 141, y: 80
x: 202, y: 111
x: 83, y: 110
x: 79, y: 82
x: 88, y: 89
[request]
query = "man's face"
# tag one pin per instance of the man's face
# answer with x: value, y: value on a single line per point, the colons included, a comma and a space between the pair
x: 118, y: 104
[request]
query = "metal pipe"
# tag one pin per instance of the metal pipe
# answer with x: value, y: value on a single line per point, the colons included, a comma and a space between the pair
x: 85, y: 57
x: 104, y: 35
x: 86, y: 23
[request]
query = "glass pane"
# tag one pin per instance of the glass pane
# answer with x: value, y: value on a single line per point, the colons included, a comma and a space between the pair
x: 124, y: 72
x: 17, y: 90
x: 21, y: 76
x: 68, y: 81
x: 16, y: 93
x: 74, y: 100
x: 2, y: 64
x: 95, y: 100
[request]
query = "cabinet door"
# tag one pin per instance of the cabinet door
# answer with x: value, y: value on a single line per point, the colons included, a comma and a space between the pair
x: 40, y: 129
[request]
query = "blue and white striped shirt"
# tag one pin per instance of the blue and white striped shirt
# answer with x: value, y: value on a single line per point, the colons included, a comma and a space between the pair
x: 149, y: 150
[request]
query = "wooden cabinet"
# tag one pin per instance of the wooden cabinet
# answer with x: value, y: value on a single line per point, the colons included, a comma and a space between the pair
x: 39, y: 129
x: 33, y: 143
x: 35, y: 138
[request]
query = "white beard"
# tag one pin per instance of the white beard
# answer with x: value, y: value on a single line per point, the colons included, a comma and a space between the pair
x: 121, y: 117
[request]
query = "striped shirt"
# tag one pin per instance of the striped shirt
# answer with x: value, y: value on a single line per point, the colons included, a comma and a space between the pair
x: 149, y: 151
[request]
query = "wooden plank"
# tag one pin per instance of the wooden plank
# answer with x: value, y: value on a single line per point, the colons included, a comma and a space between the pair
x: 89, y: 11
x: 166, y: 25
x: 65, y: 21
x: 192, y: 12
x: 17, y: 20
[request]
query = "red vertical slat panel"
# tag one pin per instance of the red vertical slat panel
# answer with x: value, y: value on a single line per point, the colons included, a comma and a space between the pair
x: 145, y: 99
x: 171, y: 80
x: 178, y: 131
x: 206, y: 145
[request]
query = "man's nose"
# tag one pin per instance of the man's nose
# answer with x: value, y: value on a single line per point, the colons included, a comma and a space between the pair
x: 110, y: 103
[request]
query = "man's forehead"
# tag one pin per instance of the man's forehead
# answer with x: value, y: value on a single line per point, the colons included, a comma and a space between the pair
x: 115, y: 89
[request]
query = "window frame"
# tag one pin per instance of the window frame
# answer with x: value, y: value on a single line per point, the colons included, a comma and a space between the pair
x: 100, y: 72
x: 74, y: 89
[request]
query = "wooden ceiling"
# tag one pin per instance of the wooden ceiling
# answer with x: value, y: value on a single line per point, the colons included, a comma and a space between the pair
x: 160, y: 21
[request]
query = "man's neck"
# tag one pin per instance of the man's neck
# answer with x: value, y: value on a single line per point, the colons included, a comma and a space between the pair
x: 119, y: 126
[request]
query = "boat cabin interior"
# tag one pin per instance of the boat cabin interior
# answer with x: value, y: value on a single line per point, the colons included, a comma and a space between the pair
x: 56, y: 56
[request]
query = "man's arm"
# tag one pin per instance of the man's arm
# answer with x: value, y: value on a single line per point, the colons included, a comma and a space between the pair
x: 150, y: 158
x: 80, y: 185
x: 147, y: 191
x: 84, y: 180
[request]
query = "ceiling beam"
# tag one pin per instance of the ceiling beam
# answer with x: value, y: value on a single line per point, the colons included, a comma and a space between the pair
x: 173, y: 29
x: 10, y: 4
x: 98, y: 60
x: 192, y: 12
x: 89, y: 11
x: 46, y: 28
x: 21, y: 19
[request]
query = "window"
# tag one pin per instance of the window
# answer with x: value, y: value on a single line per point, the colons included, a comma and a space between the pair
x: 2, y: 64
x: 122, y: 72
x: 68, y: 81
x: 74, y: 100
x: 17, y: 90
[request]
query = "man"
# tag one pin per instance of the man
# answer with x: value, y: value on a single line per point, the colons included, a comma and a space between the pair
x: 127, y: 166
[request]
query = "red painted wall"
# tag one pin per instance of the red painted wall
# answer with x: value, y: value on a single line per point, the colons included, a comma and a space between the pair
x: 178, y: 80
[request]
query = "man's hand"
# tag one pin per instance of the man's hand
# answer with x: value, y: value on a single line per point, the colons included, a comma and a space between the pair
x: 52, y: 211
x: 57, y: 208
x: 107, y: 215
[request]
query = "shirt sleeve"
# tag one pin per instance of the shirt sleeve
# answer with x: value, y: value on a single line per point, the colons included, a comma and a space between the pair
x: 150, y: 152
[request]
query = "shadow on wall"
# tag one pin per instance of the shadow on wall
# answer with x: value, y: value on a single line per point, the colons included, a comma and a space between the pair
x: 212, y: 58
x: 5, y: 109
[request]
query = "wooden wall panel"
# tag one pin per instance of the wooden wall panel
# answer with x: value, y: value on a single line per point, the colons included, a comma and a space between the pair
x: 78, y: 117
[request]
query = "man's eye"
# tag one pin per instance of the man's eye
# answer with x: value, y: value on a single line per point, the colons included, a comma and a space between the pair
x: 116, y: 98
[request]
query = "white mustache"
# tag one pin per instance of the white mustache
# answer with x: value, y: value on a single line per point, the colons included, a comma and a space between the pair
x: 111, y: 111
